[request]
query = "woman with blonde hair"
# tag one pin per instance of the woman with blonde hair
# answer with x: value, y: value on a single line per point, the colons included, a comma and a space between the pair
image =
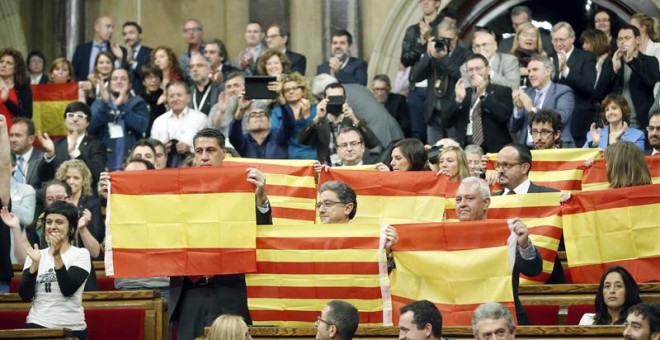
x: 626, y: 166
x: 229, y: 327
x: 453, y: 163
x: 296, y: 93
x: 649, y: 34
x: 61, y: 72
x: 526, y: 43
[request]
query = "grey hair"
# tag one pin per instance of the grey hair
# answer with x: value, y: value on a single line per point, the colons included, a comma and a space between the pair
x: 472, y: 148
x: 320, y: 82
x: 483, y: 186
x: 344, y: 192
x: 547, y: 63
x: 206, y: 61
x: 491, y: 310
x: 565, y: 25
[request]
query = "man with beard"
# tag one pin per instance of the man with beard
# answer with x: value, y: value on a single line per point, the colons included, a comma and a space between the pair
x: 545, y: 128
x: 654, y: 133
x: 137, y: 55
x: 222, y: 113
x: 341, y: 65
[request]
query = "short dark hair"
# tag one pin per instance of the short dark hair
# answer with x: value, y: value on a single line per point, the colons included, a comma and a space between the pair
x: 334, y: 86
x: 346, y: 130
x: 413, y: 150
x: 345, y: 317
x: 31, y: 130
x: 141, y: 142
x: 55, y: 182
x: 284, y: 32
x: 547, y: 116
x: 68, y: 210
x: 222, y: 49
x: 146, y: 163
x: 384, y: 78
x: 151, y: 69
x: 518, y: 10
x: 155, y: 143
x: 629, y: 27
x: 477, y: 56
x: 178, y: 83
x: 134, y: 24
x: 654, y: 113
x: 35, y: 54
x: 345, y: 194
x: 210, y: 133
x: 650, y: 312
x: 425, y: 312
x: 341, y: 33
x: 129, y: 74
x: 524, y: 154
x: 78, y: 106
x: 602, y: 316
x: 597, y: 39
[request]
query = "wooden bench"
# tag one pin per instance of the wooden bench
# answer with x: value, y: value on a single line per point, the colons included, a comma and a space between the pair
x: 154, y: 307
x: 45, y: 333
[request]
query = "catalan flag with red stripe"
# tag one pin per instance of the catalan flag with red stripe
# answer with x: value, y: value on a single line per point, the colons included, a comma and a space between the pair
x: 541, y: 212
x: 393, y: 197
x: 595, y: 176
x: 193, y: 221
x: 302, y: 267
x: 561, y: 169
x: 290, y: 186
x: 613, y: 227
x: 48, y: 104
x: 457, y: 266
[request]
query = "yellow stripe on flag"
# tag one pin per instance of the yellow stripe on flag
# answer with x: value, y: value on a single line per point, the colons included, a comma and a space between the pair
x: 553, y: 176
x: 328, y: 255
x: 321, y: 231
x: 312, y: 304
x: 316, y: 280
x: 399, y: 209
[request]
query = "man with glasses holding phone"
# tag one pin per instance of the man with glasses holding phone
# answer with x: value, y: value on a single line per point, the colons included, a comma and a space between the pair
x: 339, y: 320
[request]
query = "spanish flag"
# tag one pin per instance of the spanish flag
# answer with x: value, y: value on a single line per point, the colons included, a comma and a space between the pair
x: 613, y: 227
x: 393, y: 197
x: 541, y: 212
x: 595, y: 176
x: 192, y: 221
x: 48, y: 104
x: 290, y: 186
x: 561, y: 169
x: 302, y: 267
x: 457, y: 266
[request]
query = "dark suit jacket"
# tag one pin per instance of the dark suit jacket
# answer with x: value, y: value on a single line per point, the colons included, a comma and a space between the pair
x: 581, y: 79
x: 44, y: 79
x: 431, y: 69
x: 227, y: 70
x: 320, y: 135
x: 397, y: 107
x: 531, y: 267
x: 496, y: 110
x: 645, y: 73
x: 355, y: 71
x: 24, y: 106
x: 559, y: 98
x: 80, y: 61
x: 533, y: 189
x: 92, y: 151
x: 143, y: 58
x: 298, y: 62
x: 34, y: 172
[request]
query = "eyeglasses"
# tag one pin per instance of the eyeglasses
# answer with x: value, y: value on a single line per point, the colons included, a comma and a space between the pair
x: 192, y: 29
x: 193, y: 66
x: 543, y: 133
x: 76, y: 115
x: 289, y: 89
x: 257, y: 114
x: 505, y: 165
x: 51, y: 199
x: 327, y: 205
x: 273, y: 36
x: 319, y: 320
x: 351, y: 144
x: 652, y: 129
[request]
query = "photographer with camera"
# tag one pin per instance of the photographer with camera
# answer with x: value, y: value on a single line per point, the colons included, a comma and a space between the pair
x: 333, y: 114
x: 440, y: 66
x: 341, y: 65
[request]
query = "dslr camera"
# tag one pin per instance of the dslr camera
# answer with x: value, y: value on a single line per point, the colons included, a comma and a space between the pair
x: 442, y: 44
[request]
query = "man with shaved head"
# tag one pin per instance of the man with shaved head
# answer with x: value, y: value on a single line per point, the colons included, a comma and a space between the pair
x: 85, y: 54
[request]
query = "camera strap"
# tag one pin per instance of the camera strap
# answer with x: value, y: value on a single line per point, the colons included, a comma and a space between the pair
x: 440, y: 84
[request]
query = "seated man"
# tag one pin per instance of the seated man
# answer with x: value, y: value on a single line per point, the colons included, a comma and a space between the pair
x: 493, y: 319
x: 420, y: 320
x: 142, y: 150
x: 643, y: 322
x: 654, y: 133
x: 472, y: 201
x: 261, y: 141
x: 545, y: 128
x: 339, y: 320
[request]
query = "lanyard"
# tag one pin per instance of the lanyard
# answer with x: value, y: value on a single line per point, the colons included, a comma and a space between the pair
x: 201, y: 104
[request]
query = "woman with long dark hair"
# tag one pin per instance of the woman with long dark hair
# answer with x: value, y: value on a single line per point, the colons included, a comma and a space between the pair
x: 617, y: 292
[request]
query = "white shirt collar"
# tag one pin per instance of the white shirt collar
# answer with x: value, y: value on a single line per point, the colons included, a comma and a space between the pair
x: 523, y: 188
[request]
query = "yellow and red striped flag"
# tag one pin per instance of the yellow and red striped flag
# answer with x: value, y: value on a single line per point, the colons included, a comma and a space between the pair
x: 300, y: 268
x: 541, y: 212
x: 561, y: 169
x: 457, y: 266
x: 595, y: 176
x: 393, y: 197
x: 613, y: 227
x: 193, y: 221
x: 290, y: 186
x: 48, y: 104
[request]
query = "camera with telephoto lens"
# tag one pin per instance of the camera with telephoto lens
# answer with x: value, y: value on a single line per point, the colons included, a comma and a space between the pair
x: 442, y: 44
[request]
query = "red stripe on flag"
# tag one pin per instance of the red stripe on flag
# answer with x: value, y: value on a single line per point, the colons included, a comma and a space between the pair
x: 339, y: 268
x: 295, y: 243
x: 176, y: 262
x: 329, y: 293
x: 291, y: 191
x: 201, y: 180
x: 451, y: 236
x: 379, y: 183
x: 568, y: 185
x: 452, y: 315
x: 595, y: 173
x: 546, y: 230
x: 613, y: 199
x: 55, y: 92
x: 301, y: 171
x: 547, y: 254
x: 308, y: 316
x: 643, y: 270
x: 294, y: 214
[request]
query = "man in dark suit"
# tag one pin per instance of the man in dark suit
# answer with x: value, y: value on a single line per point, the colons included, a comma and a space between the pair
x: 36, y: 64
x: 514, y: 162
x: 28, y: 159
x: 76, y: 145
x: 576, y: 69
x: 216, y: 53
x: 341, y: 65
x: 519, y: 16
x: 277, y: 38
x: 137, y: 55
x: 630, y: 73
x: 480, y: 113
x: 394, y: 103
x: 543, y: 94
x: 653, y: 130
x: 85, y: 54
x: 198, y: 304
x: 440, y: 66
x: 472, y: 201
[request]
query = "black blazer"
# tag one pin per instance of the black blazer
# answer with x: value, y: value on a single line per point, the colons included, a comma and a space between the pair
x: 143, y: 58
x: 24, y: 106
x: 581, y: 79
x: 533, y: 189
x: 34, y: 172
x: 92, y: 151
x: 80, y: 61
x: 531, y: 267
x: 355, y: 71
x: 496, y: 110
x: 298, y: 62
x: 227, y: 70
x: 645, y: 73
x: 398, y: 108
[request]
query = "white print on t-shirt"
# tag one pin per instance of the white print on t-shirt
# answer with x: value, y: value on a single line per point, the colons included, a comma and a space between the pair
x: 47, y: 279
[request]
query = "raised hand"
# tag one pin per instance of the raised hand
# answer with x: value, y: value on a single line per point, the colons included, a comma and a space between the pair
x: 595, y: 134
x: 47, y: 144
x: 9, y: 218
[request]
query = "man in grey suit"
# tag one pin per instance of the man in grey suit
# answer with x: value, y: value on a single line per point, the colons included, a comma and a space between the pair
x: 28, y: 159
x: 504, y: 67
x: 544, y: 94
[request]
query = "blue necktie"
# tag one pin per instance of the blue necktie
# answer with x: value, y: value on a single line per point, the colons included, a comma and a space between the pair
x: 96, y: 49
x: 20, y: 177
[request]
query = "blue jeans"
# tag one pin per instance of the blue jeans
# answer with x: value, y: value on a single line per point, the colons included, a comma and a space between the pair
x: 415, y: 100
